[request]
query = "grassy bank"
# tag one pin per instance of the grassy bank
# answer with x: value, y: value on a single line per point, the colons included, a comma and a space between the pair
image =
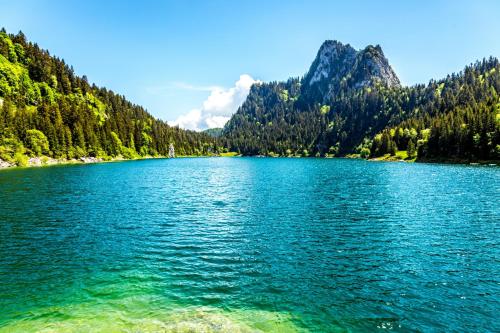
x: 400, y: 156
x: 229, y: 154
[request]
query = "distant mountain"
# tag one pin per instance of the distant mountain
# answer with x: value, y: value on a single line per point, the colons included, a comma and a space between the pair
x: 213, y: 132
x: 352, y: 102
x: 45, y: 109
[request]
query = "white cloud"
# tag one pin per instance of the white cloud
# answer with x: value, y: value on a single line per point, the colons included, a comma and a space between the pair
x: 219, y: 106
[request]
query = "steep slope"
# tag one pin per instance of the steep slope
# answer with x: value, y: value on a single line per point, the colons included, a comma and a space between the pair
x: 45, y: 109
x: 349, y: 99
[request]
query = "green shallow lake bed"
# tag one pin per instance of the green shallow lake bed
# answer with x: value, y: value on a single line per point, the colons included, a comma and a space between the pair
x: 249, y: 245
x: 133, y: 315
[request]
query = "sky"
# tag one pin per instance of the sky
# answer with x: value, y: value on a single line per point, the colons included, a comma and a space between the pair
x: 192, y: 62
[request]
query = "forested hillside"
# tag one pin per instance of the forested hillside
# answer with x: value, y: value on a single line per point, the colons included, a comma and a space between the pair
x: 352, y: 102
x: 457, y: 118
x: 45, y: 109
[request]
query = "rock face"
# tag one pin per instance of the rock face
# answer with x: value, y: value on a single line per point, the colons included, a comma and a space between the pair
x: 90, y: 159
x: 372, y: 66
x: 35, y: 161
x: 4, y: 164
x: 171, y: 151
x: 340, y: 67
x: 332, y: 62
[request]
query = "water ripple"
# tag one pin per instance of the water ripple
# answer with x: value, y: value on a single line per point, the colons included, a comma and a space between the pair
x: 250, y: 245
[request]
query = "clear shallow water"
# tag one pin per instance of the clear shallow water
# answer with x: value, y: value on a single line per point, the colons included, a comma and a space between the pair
x: 249, y: 244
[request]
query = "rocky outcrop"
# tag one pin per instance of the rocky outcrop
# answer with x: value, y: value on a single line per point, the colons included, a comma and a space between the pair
x: 372, y: 66
x: 40, y: 161
x: 4, y: 164
x: 90, y: 159
x: 333, y: 61
x: 340, y: 67
x: 44, y: 160
x: 35, y: 161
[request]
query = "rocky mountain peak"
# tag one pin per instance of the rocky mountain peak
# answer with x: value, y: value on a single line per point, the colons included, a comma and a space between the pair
x: 330, y: 55
x: 372, y: 65
x: 339, y: 66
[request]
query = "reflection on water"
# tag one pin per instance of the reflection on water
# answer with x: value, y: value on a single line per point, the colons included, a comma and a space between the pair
x: 241, y: 244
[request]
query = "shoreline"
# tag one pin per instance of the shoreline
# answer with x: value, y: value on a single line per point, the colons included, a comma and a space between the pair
x: 391, y: 159
x: 44, y: 161
x: 41, y: 162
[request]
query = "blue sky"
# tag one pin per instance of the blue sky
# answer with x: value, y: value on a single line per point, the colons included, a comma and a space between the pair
x: 177, y: 57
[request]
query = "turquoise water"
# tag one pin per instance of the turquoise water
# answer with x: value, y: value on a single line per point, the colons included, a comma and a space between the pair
x: 250, y: 245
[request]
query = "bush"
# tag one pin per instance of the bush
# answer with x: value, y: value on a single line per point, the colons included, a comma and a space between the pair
x: 20, y: 159
x: 9, y: 147
x: 129, y: 153
x: 37, y: 142
x: 78, y: 152
x: 365, y: 152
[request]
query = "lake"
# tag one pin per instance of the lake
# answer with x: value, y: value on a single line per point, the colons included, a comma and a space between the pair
x: 250, y: 245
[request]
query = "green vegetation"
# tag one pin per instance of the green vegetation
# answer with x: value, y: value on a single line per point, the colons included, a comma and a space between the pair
x: 324, y: 109
x: 229, y: 154
x: 46, y: 110
x: 20, y: 159
x: 467, y: 132
x: 402, y: 155
x: 37, y: 142
x: 457, y: 118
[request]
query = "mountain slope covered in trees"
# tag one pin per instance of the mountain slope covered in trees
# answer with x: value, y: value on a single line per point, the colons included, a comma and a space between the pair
x: 352, y: 102
x: 47, y: 110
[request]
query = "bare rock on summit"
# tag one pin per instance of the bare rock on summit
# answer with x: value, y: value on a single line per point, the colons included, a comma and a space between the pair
x: 371, y: 65
x: 339, y: 67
